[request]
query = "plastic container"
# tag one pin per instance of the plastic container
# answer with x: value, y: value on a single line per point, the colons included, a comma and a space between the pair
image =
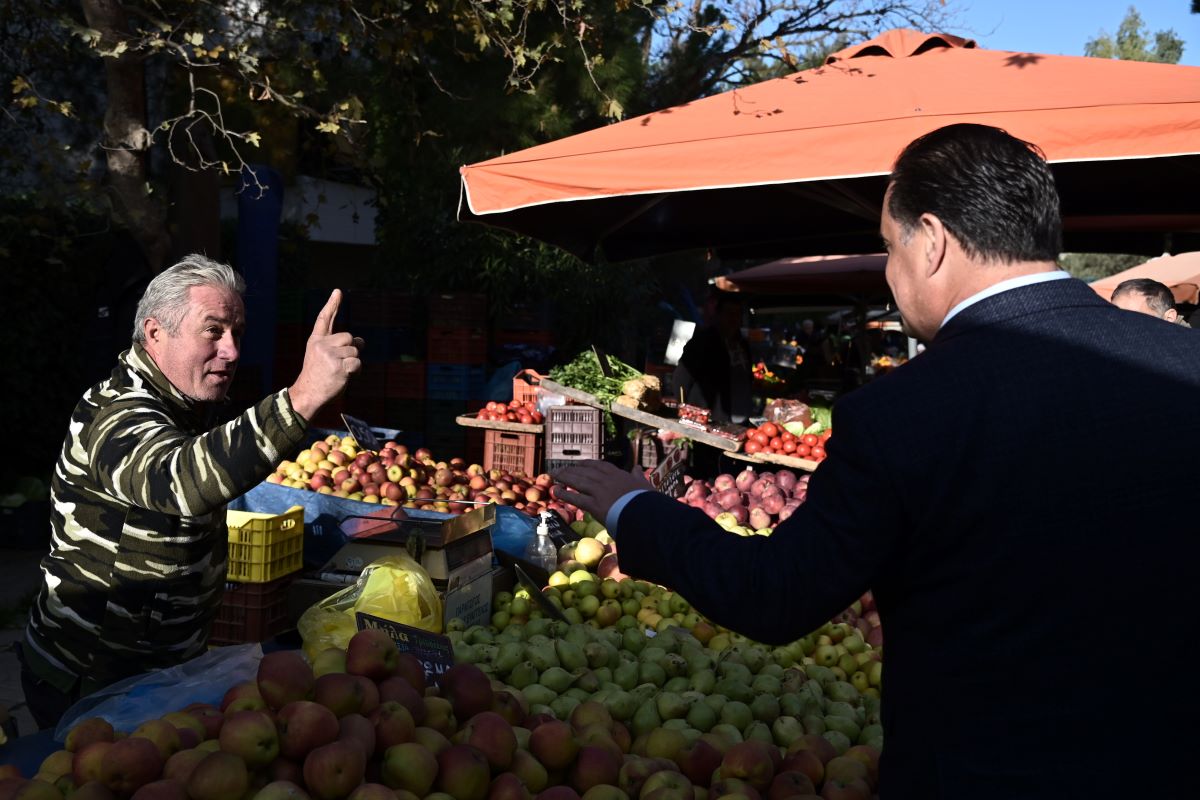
x: 264, y: 547
x: 574, y: 433
x: 457, y: 345
x: 511, y: 451
x: 458, y: 310
x: 541, y: 551
x: 405, y: 380
x: 525, y: 386
x: 454, y: 382
x: 251, y: 612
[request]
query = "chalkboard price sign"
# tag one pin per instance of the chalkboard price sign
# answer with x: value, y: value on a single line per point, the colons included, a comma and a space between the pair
x: 362, y: 433
x: 435, y: 652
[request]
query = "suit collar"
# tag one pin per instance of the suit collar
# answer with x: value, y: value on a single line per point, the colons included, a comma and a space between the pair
x: 1019, y: 302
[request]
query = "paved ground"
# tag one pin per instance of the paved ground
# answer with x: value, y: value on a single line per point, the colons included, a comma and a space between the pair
x: 19, y: 577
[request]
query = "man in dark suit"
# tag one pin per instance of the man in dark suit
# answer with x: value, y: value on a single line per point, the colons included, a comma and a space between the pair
x: 1006, y: 496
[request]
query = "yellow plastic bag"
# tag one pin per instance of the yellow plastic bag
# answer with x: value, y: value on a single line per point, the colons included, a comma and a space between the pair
x: 394, y: 587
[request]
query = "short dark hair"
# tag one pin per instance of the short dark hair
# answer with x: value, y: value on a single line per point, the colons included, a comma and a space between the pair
x: 992, y: 191
x: 1158, y: 296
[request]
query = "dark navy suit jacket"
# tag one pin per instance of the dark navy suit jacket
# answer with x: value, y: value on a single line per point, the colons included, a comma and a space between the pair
x: 1021, y: 498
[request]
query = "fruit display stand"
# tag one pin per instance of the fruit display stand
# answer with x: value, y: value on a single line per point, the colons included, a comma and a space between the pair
x: 642, y: 417
x: 468, y: 421
x: 775, y: 458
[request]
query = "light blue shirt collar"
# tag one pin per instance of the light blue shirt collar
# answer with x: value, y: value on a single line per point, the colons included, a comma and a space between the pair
x: 1004, y: 286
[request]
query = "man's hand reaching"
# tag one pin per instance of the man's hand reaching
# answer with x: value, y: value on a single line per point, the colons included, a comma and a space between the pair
x: 595, y: 486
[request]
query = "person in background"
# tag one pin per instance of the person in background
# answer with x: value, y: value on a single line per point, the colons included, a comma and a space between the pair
x: 715, y: 368
x: 1146, y: 296
x: 137, y: 559
x: 973, y: 493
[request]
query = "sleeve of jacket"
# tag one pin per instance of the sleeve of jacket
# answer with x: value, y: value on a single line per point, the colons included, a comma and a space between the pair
x: 776, y: 588
x: 141, y: 457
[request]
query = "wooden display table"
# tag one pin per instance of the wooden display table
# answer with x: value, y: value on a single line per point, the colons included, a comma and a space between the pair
x: 641, y: 417
x: 468, y: 421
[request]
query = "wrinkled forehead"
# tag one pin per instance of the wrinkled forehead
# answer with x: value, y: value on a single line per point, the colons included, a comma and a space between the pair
x: 217, y: 303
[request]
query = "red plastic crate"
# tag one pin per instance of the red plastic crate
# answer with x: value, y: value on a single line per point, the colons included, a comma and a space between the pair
x: 528, y: 338
x: 465, y: 310
x: 251, y: 612
x: 457, y: 346
x: 406, y: 380
x: 369, y: 383
x: 513, y: 452
x: 574, y: 433
x: 525, y: 386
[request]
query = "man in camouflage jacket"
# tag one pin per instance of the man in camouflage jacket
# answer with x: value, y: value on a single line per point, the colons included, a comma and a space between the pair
x: 137, y: 562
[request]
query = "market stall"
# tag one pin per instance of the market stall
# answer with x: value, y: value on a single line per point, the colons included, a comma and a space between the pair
x: 824, y: 140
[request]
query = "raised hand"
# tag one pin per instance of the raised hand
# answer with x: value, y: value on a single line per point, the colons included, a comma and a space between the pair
x: 329, y: 360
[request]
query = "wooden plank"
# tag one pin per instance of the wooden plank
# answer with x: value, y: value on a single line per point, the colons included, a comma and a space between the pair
x: 468, y: 421
x: 673, y: 425
x: 775, y: 458
x: 578, y: 395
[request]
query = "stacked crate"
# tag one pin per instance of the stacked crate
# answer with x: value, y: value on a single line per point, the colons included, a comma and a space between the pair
x: 524, y: 333
x: 515, y: 451
x: 265, y: 553
x: 573, y: 433
x: 385, y: 392
x: 456, y: 352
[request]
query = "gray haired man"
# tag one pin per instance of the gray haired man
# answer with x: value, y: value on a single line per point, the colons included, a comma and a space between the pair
x: 137, y: 558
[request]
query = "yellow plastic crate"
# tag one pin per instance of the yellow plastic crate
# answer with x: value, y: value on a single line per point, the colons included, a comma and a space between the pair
x: 263, y: 547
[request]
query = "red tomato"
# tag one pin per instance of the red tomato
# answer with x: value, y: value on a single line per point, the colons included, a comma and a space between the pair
x: 776, y: 443
x: 537, y: 417
x: 760, y: 437
x: 789, y: 445
x: 787, y: 436
x: 825, y: 434
x: 810, y: 439
x: 753, y: 446
x: 802, y: 450
x: 818, y: 453
x: 770, y: 429
x: 514, y: 403
x: 525, y: 419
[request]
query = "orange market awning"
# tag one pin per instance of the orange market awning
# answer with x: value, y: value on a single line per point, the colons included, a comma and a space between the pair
x: 1181, y: 274
x: 797, y: 165
x: 856, y: 276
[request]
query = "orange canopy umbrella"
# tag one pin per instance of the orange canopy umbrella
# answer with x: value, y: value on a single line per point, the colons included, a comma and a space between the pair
x: 797, y: 165
x: 856, y: 276
x: 1180, y: 274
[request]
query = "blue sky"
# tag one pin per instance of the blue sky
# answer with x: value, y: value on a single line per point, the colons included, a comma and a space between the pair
x: 1060, y: 27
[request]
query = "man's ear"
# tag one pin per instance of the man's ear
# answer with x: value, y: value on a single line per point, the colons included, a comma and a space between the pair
x: 933, y: 242
x: 1171, y: 316
x: 152, y: 330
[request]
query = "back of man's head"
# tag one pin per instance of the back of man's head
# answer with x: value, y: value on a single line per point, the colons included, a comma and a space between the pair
x: 1145, y: 294
x: 993, y: 192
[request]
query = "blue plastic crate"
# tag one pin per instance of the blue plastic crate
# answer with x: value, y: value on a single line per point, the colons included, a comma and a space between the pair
x: 454, y: 381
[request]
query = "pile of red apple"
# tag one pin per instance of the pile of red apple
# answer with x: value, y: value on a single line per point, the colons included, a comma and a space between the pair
x: 758, y: 500
x: 513, y: 411
x: 395, y: 476
x: 771, y: 438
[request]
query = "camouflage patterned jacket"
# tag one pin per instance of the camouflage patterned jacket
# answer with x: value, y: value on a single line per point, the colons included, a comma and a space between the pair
x: 137, y: 559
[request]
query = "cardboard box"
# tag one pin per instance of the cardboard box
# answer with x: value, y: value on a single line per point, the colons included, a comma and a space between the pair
x: 456, y: 552
x: 469, y: 596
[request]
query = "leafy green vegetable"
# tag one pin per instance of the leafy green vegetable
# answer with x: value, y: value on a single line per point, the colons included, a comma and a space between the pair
x: 583, y: 373
x: 822, y: 415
